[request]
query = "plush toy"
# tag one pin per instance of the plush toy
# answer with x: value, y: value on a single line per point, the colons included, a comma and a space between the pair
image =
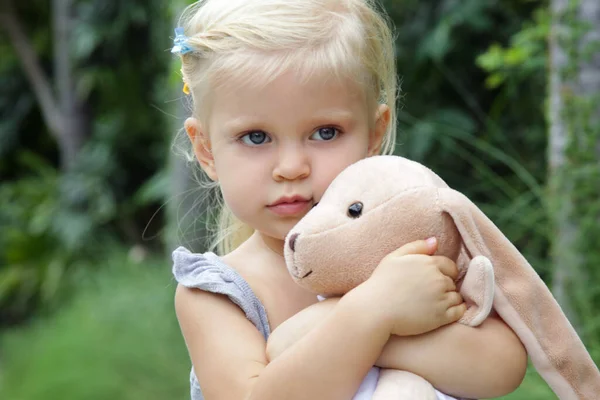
x: 381, y: 203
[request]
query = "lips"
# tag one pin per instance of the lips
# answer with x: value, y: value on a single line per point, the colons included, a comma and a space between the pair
x: 289, y: 200
x: 290, y: 205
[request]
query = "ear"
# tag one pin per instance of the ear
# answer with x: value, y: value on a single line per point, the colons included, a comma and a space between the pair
x: 201, y: 146
x: 525, y: 303
x: 382, y: 120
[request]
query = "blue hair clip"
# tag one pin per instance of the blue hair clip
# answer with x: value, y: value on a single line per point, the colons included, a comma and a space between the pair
x: 181, y: 45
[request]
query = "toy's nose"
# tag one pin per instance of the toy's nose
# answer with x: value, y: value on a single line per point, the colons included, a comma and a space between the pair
x: 292, y: 241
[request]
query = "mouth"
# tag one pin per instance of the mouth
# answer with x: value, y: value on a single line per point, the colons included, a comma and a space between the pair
x: 307, y: 274
x: 290, y: 206
x: 290, y: 200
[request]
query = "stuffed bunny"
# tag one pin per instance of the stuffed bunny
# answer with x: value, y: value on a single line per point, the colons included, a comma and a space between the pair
x: 381, y: 203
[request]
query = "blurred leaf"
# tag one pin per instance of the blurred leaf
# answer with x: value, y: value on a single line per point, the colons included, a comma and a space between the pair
x: 155, y: 189
x: 52, y: 281
x: 10, y: 280
x: 525, y: 56
x: 85, y: 40
x: 422, y: 139
x: 438, y: 43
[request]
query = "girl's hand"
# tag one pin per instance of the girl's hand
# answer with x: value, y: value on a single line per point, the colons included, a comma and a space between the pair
x: 412, y: 291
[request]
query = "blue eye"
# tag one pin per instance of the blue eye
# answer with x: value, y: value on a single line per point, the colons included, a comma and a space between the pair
x: 325, y: 133
x: 255, y: 138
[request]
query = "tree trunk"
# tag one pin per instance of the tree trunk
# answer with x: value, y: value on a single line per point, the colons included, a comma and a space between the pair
x: 589, y: 72
x: 61, y: 110
x: 73, y: 134
x: 574, y: 140
x: 560, y: 193
x: 40, y: 83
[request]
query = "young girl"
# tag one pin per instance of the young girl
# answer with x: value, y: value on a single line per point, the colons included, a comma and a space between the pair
x: 286, y: 94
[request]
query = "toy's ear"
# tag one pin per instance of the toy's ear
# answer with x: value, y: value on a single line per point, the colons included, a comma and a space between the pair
x: 525, y: 303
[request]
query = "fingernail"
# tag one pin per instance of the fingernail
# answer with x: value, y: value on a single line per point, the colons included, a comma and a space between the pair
x: 431, y: 242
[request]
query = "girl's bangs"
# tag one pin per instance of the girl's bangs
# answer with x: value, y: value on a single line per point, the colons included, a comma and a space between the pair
x: 260, y: 68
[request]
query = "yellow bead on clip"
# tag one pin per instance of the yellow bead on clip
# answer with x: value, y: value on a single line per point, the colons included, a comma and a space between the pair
x: 186, y: 88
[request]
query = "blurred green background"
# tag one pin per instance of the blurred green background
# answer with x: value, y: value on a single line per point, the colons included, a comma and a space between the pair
x: 500, y: 97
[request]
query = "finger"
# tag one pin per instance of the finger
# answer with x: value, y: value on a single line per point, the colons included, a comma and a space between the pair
x: 450, y: 284
x: 428, y: 246
x: 454, y: 299
x: 447, y: 267
x: 455, y: 313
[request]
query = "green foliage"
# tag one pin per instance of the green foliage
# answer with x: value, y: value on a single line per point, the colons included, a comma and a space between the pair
x: 454, y: 123
x: 53, y: 220
x: 48, y: 220
x: 121, y: 48
x: 30, y: 268
x: 525, y: 57
x: 117, y: 339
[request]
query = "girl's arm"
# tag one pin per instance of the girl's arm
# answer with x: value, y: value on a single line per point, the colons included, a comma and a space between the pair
x: 462, y: 361
x: 228, y: 352
x: 483, y: 362
x: 330, y: 361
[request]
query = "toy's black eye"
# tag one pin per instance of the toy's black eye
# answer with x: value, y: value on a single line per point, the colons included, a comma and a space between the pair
x: 355, y: 209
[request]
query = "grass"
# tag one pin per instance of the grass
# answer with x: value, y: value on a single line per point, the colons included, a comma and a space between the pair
x: 117, y: 339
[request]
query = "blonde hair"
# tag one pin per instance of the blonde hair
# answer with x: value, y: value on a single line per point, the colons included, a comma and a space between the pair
x: 260, y: 39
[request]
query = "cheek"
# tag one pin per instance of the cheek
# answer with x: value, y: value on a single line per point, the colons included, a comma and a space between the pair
x: 234, y: 167
x: 239, y: 182
x: 239, y: 198
x: 331, y: 168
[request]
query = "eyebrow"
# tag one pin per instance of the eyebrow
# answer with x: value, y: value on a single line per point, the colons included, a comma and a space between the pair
x: 244, y: 122
x: 334, y: 114
x: 241, y: 123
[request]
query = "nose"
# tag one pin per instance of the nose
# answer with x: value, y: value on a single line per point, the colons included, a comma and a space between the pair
x: 293, y: 163
x: 292, y: 241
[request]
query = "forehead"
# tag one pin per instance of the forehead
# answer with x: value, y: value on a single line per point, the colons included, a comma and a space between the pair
x: 289, y: 89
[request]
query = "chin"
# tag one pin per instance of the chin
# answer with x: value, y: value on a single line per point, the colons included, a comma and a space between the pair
x: 277, y: 229
x: 279, y: 233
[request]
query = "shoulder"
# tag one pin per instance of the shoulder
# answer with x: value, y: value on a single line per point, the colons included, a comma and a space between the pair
x: 208, y: 272
x: 214, y: 304
x: 197, y: 310
x: 203, y: 286
x: 207, y: 287
x: 220, y: 287
x: 189, y: 268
